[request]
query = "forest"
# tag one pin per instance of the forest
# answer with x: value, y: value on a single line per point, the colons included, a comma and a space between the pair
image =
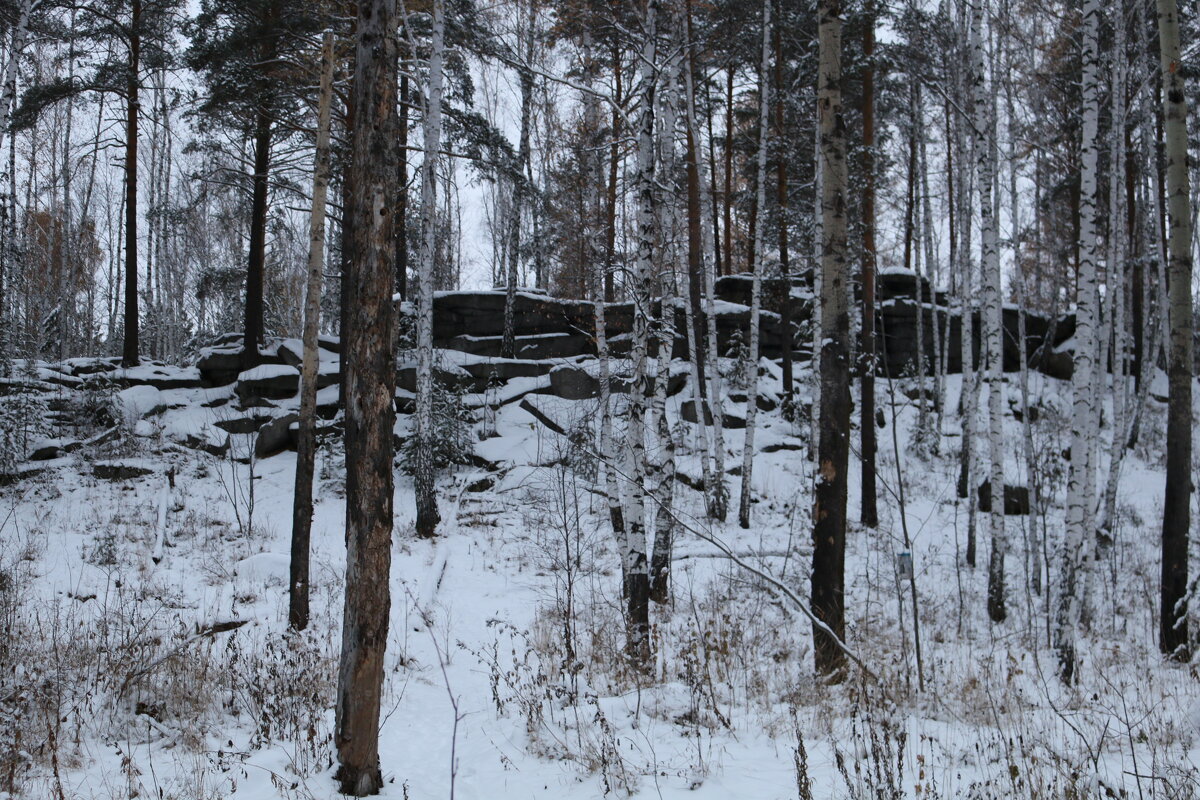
x: 574, y: 398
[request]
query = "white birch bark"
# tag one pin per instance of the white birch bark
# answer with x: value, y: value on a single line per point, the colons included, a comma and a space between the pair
x: 1116, y: 279
x: 713, y: 482
x: 637, y: 574
x: 612, y: 487
x: 985, y: 153
x: 1079, y: 533
x: 764, y: 92
x: 934, y: 276
x: 424, y: 475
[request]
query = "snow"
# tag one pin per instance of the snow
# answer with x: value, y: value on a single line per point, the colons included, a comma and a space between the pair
x: 138, y: 401
x: 265, y: 372
x: 489, y: 587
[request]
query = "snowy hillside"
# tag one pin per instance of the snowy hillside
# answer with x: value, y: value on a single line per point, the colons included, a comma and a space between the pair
x: 144, y: 599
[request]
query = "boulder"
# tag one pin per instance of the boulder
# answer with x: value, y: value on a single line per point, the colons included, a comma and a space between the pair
x: 276, y: 436
x: 247, y: 423
x: 219, y: 366
x: 1016, y: 499
x: 573, y: 383
x: 48, y: 449
x: 450, y: 375
x: 120, y: 470
x: 159, y: 376
x: 730, y: 421
x: 139, y: 402
x: 268, y: 381
x: 214, y: 446
x: 28, y: 470
x: 488, y: 371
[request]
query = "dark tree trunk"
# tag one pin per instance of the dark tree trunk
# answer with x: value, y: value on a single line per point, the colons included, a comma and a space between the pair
x: 258, y: 243
x: 869, y: 443
x: 614, y: 163
x: 129, y: 349
x: 727, y: 194
x: 370, y: 376
x: 829, y: 507
x: 1173, y: 628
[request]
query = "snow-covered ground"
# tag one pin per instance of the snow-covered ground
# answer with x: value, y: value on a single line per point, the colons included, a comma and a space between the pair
x: 146, y: 623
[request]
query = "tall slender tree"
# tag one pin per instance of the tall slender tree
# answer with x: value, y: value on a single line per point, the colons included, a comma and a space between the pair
x: 868, y: 444
x: 370, y: 376
x: 833, y: 449
x: 424, y: 476
x: 302, y: 502
x: 764, y: 105
x: 1084, y: 418
x: 1173, y: 632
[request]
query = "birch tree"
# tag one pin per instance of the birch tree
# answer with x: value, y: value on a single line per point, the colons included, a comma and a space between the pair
x: 764, y: 100
x: 1079, y: 533
x: 425, y: 474
x: 985, y: 153
x: 636, y: 565
x: 302, y: 503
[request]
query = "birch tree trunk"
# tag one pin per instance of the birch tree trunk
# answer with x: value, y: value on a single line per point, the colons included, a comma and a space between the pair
x: 637, y: 573
x: 764, y: 92
x: 673, y: 256
x: 1173, y: 633
x: 697, y: 269
x: 829, y: 508
x: 1117, y: 249
x: 425, y: 474
x: 370, y: 375
x: 1079, y: 534
x: 302, y: 504
x: 599, y: 272
x: 985, y: 153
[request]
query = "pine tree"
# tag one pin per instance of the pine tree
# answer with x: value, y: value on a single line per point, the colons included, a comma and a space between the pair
x: 129, y: 38
x: 833, y: 449
x: 246, y: 54
x: 1173, y: 631
x: 370, y: 376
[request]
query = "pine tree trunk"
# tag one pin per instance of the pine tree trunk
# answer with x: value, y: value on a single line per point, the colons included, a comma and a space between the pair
x: 302, y: 504
x: 258, y: 243
x: 1173, y: 632
x: 508, y: 339
x: 764, y: 105
x: 425, y: 472
x: 370, y: 375
x: 1084, y: 418
x: 129, y: 350
x: 829, y: 511
x: 868, y: 442
x: 614, y: 162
